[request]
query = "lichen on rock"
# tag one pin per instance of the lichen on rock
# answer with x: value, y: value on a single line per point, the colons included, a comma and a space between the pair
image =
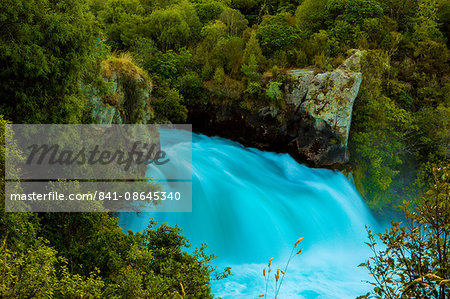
x: 330, y: 96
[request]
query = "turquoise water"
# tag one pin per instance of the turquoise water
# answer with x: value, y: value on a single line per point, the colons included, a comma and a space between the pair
x: 249, y: 206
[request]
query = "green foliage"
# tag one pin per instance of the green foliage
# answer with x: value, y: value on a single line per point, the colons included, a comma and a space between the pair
x: 382, y: 128
x: 234, y: 20
x: 253, y: 89
x: 381, y: 33
x: 443, y: 14
x: 90, y: 256
x: 244, y: 5
x: 34, y: 273
x: 277, y: 32
x: 426, y: 25
x: 209, y: 10
x: 273, y: 91
x: 219, y: 75
x: 21, y: 228
x: 175, y: 26
x: 434, y: 132
x: 250, y: 70
x: 414, y: 262
x: 252, y: 48
x: 353, y: 11
x: 191, y: 88
x: 320, y: 43
x: 211, y: 33
x: 347, y: 35
x: 168, y: 105
x: 402, y: 11
x: 135, y: 85
x: 167, y: 65
x: 311, y: 14
x: 124, y: 22
x: 190, y: 271
x: 44, y: 50
x: 228, y: 53
x: 79, y: 255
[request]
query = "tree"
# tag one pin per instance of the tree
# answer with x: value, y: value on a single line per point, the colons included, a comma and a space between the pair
x: 252, y: 48
x: 311, y: 14
x: 380, y: 138
x: 433, y: 139
x: 219, y: 76
x: 190, y: 273
x: 211, y: 34
x: 45, y: 47
x: 20, y: 228
x: 277, y: 32
x: 426, y: 26
x: 273, y: 91
x: 209, y: 10
x: 124, y: 22
x: 353, y: 11
x: 168, y: 105
x: 416, y: 260
x: 443, y: 14
x: 168, y: 65
x: 234, y: 20
x: 35, y: 273
x: 250, y: 69
x: 175, y: 26
x: 228, y: 53
x: 402, y: 11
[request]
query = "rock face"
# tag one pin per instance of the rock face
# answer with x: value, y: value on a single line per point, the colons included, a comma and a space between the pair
x: 299, y: 90
x: 313, y: 128
x: 328, y: 99
x: 127, y: 98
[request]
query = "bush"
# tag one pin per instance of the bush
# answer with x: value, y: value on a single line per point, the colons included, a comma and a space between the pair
x: 168, y: 105
x: 45, y: 49
x: 415, y: 262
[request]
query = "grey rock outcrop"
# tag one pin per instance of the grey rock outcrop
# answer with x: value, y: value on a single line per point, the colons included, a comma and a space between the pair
x: 313, y: 125
x: 296, y: 94
x: 126, y: 93
x: 329, y: 100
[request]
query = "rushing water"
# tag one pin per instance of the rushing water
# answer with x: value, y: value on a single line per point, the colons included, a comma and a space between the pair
x: 249, y: 206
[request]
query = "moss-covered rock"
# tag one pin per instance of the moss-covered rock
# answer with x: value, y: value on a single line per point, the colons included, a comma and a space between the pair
x: 126, y: 94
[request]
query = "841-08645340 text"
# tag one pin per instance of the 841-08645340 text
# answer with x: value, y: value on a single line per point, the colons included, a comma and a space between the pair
x: 99, y: 195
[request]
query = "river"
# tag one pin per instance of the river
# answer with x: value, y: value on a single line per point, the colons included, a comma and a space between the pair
x: 249, y: 206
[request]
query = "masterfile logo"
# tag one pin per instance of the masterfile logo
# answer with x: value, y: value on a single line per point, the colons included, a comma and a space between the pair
x: 71, y: 168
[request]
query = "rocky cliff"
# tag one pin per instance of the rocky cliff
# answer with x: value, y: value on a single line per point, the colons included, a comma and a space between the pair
x: 124, y: 96
x: 313, y: 125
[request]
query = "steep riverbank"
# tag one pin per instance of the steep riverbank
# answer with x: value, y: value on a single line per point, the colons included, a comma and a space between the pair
x: 312, y: 124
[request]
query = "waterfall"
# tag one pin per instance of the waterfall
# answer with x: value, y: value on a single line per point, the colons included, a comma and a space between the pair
x: 249, y: 206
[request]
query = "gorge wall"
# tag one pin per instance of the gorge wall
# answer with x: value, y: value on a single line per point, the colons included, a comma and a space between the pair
x: 313, y: 126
